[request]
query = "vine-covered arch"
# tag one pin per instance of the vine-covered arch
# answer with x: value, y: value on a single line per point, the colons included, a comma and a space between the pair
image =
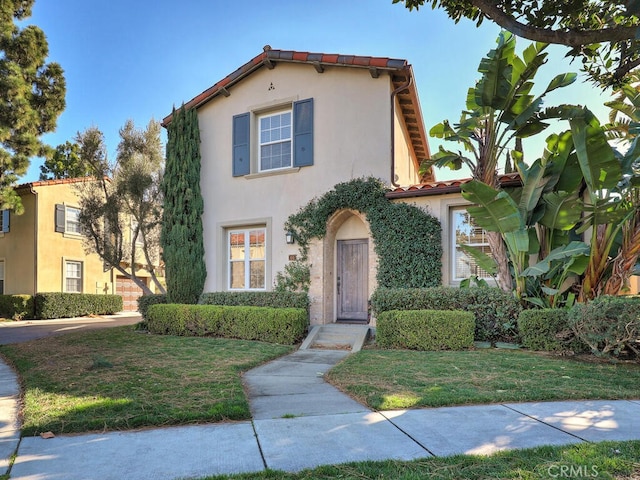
x: 407, y: 239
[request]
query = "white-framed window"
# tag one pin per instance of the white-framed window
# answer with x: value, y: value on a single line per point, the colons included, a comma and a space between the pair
x: 73, y: 276
x: 67, y: 219
x: 464, y: 231
x: 72, y: 220
x: 247, y: 249
x: 274, y: 150
x: 1, y: 277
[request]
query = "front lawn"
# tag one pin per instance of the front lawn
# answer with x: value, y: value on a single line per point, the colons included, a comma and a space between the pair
x: 117, y: 378
x: 388, y: 379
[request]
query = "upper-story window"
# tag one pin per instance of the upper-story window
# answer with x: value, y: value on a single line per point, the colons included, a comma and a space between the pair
x: 67, y: 220
x: 466, y: 232
x: 275, y: 141
x: 73, y: 220
x: 271, y: 140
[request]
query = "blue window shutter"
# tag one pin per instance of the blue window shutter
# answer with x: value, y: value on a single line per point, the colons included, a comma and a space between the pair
x: 60, y: 218
x: 5, y: 221
x: 303, y: 133
x: 241, y: 157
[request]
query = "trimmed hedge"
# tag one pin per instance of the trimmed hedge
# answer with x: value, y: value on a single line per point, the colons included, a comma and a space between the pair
x: 609, y: 325
x: 425, y: 329
x: 145, y: 301
x: 17, y: 307
x: 285, y: 326
x: 547, y: 330
x: 496, y: 312
x: 65, y: 305
x: 257, y: 299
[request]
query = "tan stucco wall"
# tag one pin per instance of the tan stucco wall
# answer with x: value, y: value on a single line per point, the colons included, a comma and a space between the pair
x: 406, y: 171
x: 352, y: 139
x: 55, y: 248
x: 17, y: 250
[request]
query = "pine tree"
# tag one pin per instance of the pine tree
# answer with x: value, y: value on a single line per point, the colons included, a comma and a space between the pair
x: 32, y: 96
x: 182, y: 237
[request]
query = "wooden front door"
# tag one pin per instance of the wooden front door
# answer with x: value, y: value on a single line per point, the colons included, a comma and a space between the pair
x: 352, y: 282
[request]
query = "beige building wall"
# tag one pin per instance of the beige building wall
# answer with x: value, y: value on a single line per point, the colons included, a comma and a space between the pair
x: 17, y: 249
x: 352, y: 139
x: 54, y: 248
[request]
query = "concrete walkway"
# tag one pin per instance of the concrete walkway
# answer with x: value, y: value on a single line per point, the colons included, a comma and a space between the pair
x: 302, y: 422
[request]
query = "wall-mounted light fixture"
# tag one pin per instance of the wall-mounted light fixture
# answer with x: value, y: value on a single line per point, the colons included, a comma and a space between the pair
x: 289, y: 238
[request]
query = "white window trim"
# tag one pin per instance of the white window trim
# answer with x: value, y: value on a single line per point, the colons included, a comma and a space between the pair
x: 453, y: 244
x: 222, y: 249
x: 247, y: 259
x: 258, y: 118
x: 68, y: 233
x: 65, y: 261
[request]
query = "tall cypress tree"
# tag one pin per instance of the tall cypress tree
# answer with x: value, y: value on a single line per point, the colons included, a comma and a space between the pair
x: 181, y: 237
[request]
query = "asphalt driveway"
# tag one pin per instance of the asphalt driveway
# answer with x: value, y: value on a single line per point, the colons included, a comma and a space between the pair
x: 26, y: 330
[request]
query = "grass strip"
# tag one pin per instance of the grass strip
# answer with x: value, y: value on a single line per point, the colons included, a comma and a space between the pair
x: 117, y: 378
x: 389, y: 379
x: 605, y: 460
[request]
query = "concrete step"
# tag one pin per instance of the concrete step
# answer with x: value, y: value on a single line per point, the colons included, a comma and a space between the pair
x: 336, y: 337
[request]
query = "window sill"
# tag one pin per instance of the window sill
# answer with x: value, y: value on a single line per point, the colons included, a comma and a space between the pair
x: 76, y: 236
x: 271, y: 173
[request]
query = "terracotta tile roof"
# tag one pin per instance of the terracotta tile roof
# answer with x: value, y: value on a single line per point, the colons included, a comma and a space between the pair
x: 447, y: 186
x: 400, y: 71
x: 56, y: 181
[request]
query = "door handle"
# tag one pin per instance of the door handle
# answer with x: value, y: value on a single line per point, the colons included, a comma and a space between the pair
x: 338, y: 285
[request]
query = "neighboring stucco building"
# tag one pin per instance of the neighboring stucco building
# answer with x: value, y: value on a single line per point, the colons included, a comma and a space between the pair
x: 42, y: 250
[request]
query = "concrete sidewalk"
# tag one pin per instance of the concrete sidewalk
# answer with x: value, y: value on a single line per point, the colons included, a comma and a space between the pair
x: 321, y: 426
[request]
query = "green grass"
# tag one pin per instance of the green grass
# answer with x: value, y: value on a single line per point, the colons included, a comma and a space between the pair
x: 606, y: 460
x: 388, y: 379
x: 117, y: 378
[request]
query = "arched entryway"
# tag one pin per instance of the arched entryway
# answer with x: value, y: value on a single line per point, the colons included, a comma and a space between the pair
x: 347, y: 273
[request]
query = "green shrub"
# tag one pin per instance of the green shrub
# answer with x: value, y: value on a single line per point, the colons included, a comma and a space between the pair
x: 257, y: 299
x: 547, y: 330
x: 275, y: 325
x: 425, y: 329
x: 16, y: 307
x: 65, y: 305
x: 608, y: 325
x: 496, y: 312
x: 145, y: 301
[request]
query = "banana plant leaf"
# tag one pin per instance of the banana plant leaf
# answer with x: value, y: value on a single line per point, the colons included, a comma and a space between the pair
x: 566, y: 253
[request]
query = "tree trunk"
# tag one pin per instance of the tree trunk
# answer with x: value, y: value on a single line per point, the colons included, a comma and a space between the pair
x: 624, y: 263
x: 499, y: 252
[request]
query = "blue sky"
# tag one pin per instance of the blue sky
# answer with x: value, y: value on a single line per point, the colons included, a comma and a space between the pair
x: 135, y: 59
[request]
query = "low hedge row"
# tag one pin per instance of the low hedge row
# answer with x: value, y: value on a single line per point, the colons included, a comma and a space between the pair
x: 64, y: 305
x: 547, y: 330
x: 256, y: 299
x: 285, y: 326
x: 145, y: 301
x: 16, y: 307
x: 425, y: 329
x: 496, y: 312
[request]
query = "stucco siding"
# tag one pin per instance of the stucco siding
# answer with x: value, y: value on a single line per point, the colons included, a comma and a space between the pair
x: 352, y: 135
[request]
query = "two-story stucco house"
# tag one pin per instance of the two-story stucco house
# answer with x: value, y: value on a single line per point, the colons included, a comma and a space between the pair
x: 42, y: 250
x: 287, y: 127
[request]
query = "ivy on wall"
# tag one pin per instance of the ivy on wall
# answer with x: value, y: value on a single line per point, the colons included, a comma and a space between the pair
x: 407, y: 239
